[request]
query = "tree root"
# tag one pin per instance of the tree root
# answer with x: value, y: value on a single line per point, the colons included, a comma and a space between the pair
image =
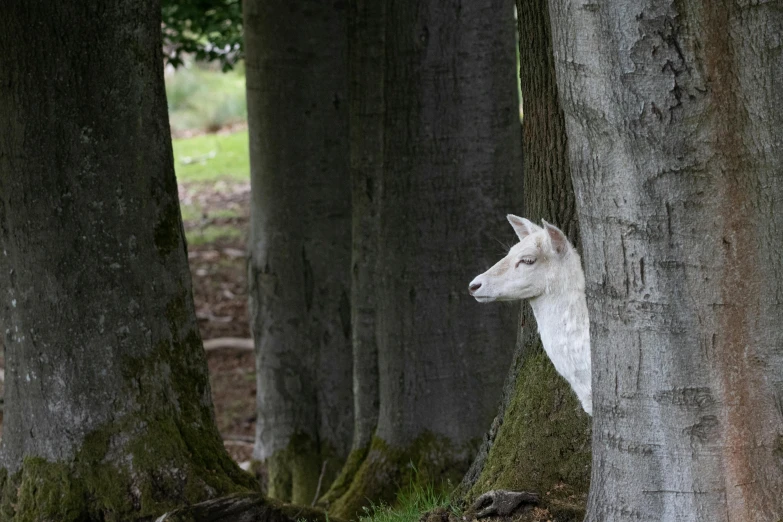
x: 231, y: 343
x: 245, y: 507
x: 500, y: 502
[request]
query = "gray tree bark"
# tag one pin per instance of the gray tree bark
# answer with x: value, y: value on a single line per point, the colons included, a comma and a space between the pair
x: 300, y: 243
x: 444, y: 138
x: 540, y: 440
x: 366, y: 58
x: 108, y: 413
x: 675, y: 121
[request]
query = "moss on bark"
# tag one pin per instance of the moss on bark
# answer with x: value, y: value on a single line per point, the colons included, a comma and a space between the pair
x: 343, y: 481
x: 428, y: 459
x: 294, y: 472
x: 162, y: 453
x: 122, y: 476
x: 543, y: 444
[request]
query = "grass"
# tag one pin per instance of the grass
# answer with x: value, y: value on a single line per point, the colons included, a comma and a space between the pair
x: 202, y: 98
x: 412, y: 502
x: 212, y: 156
x: 212, y: 234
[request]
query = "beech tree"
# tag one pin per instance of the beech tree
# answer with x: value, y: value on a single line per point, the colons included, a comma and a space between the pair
x: 674, y: 119
x: 540, y: 441
x: 435, y: 168
x: 366, y: 62
x: 107, y: 411
x: 300, y: 244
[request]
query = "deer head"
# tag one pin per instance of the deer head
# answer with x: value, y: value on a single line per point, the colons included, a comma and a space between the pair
x: 543, y: 262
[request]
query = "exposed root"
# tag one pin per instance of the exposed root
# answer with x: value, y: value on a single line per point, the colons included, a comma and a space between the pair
x: 500, y: 502
x: 232, y: 343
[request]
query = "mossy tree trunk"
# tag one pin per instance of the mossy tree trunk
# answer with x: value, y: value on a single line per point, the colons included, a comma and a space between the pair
x: 108, y: 414
x: 443, y: 141
x: 540, y: 441
x: 675, y: 124
x: 366, y: 61
x: 300, y: 245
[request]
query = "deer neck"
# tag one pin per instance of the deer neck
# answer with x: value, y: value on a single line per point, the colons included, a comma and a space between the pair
x: 562, y: 317
x: 564, y: 327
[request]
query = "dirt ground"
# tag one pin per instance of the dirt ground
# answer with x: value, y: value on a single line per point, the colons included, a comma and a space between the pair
x: 218, y: 268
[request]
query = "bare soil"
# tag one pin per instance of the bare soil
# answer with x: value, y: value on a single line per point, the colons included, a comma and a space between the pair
x: 219, y: 272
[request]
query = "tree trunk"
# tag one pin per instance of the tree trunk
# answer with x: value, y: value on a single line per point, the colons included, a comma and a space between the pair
x: 366, y: 57
x: 300, y: 242
x: 675, y: 121
x: 540, y: 440
x: 446, y: 143
x: 108, y: 413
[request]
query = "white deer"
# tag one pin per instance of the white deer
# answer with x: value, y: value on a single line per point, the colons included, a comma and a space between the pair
x: 545, y: 269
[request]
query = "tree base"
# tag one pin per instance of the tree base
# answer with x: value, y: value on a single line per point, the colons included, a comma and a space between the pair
x: 543, y: 443
x: 502, y: 503
x: 246, y: 507
x: 429, y: 459
x: 120, y: 477
x: 344, y: 480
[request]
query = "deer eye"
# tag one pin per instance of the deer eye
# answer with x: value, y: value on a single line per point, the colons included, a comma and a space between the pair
x: 526, y: 260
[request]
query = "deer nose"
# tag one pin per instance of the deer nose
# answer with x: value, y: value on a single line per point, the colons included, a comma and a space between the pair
x: 474, y: 287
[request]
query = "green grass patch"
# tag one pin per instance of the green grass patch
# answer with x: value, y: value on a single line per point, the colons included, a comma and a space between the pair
x: 211, y: 157
x: 412, y: 502
x: 212, y: 234
x: 194, y: 213
x: 202, y: 98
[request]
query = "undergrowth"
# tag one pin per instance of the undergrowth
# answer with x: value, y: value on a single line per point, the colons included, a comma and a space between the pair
x: 411, y: 503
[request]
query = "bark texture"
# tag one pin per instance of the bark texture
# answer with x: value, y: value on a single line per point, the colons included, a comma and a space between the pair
x: 366, y: 57
x: 445, y: 140
x: 108, y: 413
x: 300, y: 245
x: 245, y: 507
x: 540, y: 440
x: 675, y: 120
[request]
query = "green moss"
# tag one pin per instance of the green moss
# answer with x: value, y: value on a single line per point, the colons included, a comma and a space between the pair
x: 47, y: 492
x: 165, y: 453
x: 156, y: 470
x: 430, y: 459
x: 294, y: 472
x: 343, y: 481
x: 544, y: 442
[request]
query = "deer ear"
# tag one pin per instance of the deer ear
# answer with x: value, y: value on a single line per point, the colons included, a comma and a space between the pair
x: 523, y: 227
x: 558, y: 238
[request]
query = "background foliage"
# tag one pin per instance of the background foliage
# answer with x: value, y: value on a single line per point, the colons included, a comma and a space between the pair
x: 210, y: 30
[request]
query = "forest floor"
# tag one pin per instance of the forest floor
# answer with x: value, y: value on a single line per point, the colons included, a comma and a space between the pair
x: 214, y: 191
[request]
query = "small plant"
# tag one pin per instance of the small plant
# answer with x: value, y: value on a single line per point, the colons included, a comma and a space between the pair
x: 412, y: 502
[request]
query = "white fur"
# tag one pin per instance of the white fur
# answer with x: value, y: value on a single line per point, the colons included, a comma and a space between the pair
x: 555, y: 286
